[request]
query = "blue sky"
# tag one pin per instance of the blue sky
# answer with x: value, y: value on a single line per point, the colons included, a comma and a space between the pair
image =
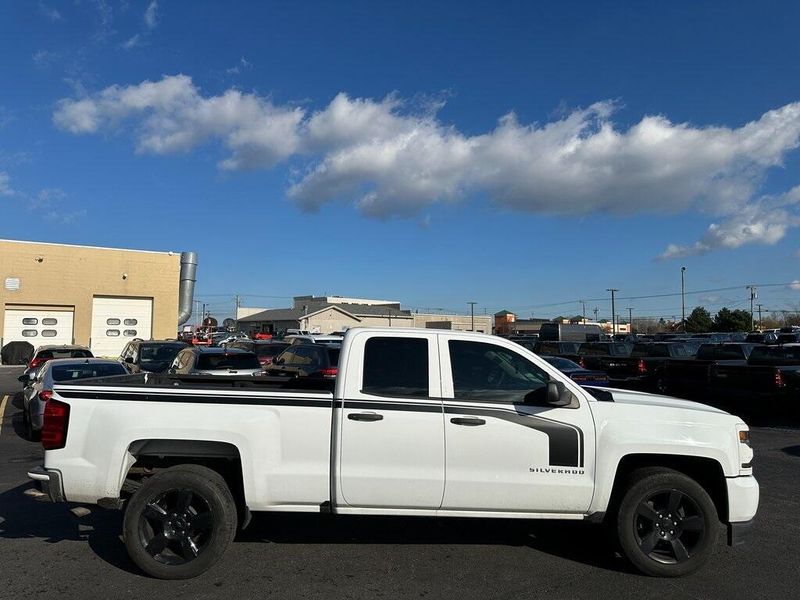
x: 521, y: 155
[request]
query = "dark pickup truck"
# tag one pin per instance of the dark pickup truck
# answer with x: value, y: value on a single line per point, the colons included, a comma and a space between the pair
x: 770, y: 377
x: 603, y: 356
x: 641, y: 370
x: 689, y: 378
x: 568, y: 350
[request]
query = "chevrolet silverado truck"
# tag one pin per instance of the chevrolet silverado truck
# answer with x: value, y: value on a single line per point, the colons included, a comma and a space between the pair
x: 691, y: 377
x: 419, y: 423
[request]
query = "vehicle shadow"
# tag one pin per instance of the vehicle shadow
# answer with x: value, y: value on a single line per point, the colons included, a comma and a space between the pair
x: 575, y: 541
x: 23, y: 517
x: 792, y: 450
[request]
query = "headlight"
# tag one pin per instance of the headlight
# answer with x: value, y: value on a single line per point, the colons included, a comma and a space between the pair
x: 745, y: 450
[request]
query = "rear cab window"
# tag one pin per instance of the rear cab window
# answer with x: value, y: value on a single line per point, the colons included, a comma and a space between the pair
x: 396, y: 367
x: 213, y: 362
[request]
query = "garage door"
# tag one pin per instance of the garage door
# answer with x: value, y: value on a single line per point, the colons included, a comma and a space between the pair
x: 37, y: 326
x: 116, y: 321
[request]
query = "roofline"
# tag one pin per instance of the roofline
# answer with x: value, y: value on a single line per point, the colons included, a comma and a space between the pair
x: 168, y: 252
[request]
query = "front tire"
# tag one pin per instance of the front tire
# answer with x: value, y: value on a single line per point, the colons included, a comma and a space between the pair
x: 667, y: 524
x: 180, y: 522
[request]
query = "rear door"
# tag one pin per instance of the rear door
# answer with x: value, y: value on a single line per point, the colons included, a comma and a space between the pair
x: 505, y: 452
x: 391, y: 431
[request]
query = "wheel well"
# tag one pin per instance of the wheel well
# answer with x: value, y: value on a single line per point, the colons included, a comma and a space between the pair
x: 155, y: 455
x: 705, y: 471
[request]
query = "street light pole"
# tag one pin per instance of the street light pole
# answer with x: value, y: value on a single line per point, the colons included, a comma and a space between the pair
x: 683, y: 300
x: 584, y: 310
x: 753, y: 296
x: 630, y: 320
x: 613, y: 310
x: 472, y: 315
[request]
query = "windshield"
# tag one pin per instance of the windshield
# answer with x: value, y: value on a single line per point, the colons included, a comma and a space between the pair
x: 561, y: 363
x: 85, y: 371
x: 68, y: 353
x: 270, y: 349
x: 158, y: 355
x: 214, y: 362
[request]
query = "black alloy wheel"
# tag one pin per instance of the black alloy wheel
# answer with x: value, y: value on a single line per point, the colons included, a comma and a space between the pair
x: 176, y: 527
x: 180, y: 522
x: 667, y: 524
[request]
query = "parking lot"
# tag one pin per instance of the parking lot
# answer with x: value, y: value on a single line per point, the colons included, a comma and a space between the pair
x: 46, y: 550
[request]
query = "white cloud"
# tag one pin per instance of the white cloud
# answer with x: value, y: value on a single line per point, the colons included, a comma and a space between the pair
x: 5, y: 185
x: 392, y: 159
x: 151, y: 15
x: 242, y: 65
x: 132, y: 42
x: 795, y: 285
x: 44, y: 58
x: 50, y: 13
x: 764, y: 222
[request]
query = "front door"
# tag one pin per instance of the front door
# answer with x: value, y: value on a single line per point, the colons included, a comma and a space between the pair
x: 505, y: 451
x: 391, y: 428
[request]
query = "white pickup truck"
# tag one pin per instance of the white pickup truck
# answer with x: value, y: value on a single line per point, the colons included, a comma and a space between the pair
x: 421, y: 422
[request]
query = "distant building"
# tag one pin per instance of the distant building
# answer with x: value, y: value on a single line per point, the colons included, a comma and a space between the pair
x: 327, y: 314
x: 507, y: 323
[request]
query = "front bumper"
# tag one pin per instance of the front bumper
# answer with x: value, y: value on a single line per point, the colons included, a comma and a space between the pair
x: 49, y: 481
x: 743, y: 494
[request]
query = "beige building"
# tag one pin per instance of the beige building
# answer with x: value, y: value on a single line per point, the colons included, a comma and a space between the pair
x: 98, y: 297
x: 328, y: 314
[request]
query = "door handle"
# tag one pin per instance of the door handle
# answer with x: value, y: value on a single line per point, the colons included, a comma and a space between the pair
x: 368, y: 416
x: 468, y: 421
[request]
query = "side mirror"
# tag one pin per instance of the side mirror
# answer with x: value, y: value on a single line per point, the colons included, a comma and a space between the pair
x: 24, y: 378
x: 557, y: 394
x: 129, y: 360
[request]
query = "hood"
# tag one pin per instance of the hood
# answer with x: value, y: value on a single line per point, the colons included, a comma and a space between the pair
x: 641, y: 398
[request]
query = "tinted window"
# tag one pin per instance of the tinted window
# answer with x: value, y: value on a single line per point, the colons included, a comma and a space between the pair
x: 67, y: 372
x: 396, y: 367
x: 157, y: 356
x: 112, y: 321
x: 30, y: 321
x: 657, y: 350
x: 212, y: 362
x: 49, y: 321
x: 265, y: 349
x: 245, y: 345
x: 130, y: 322
x: 333, y: 356
x: 561, y: 363
x: 49, y: 333
x: 487, y: 372
x: 29, y: 333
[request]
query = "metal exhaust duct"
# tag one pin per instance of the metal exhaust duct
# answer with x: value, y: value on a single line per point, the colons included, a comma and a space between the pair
x: 186, y: 288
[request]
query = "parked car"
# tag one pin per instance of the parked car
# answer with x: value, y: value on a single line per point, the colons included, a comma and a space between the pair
x: 769, y: 381
x: 641, y: 370
x: 444, y: 423
x: 576, y: 372
x: 767, y: 337
x: 313, y: 339
x: 152, y: 356
x: 200, y: 360
x: 40, y: 389
x: 306, y: 360
x: 690, y: 378
x: 265, y: 350
x: 561, y: 332
x: 45, y: 353
x: 568, y: 350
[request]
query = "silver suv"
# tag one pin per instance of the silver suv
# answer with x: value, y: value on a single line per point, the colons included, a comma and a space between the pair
x: 215, y: 361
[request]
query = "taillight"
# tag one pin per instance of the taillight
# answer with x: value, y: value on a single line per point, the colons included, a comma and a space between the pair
x: 581, y: 363
x: 331, y: 372
x: 54, y: 430
x: 35, y: 362
x: 779, y: 382
x: 642, y: 366
x: 45, y: 395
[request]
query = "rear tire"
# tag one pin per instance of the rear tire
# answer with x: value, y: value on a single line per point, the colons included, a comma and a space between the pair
x: 30, y: 432
x: 667, y: 524
x: 180, y: 522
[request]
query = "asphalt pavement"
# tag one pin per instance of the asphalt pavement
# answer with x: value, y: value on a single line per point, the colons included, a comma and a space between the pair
x: 45, y: 551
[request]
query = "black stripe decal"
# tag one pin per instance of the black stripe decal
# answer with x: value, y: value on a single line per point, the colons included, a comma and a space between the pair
x: 185, y: 398
x: 565, y: 442
x: 393, y: 406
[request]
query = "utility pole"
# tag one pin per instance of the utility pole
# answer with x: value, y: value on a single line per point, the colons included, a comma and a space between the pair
x: 630, y: 319
x: 236, y: 314
x: 472, y: 315
x: 596, y: 310
x: 683, y: 300
x: 753, y: 296
x: 613, y: 310
x: 760, y: 325
x: 584, y: 310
